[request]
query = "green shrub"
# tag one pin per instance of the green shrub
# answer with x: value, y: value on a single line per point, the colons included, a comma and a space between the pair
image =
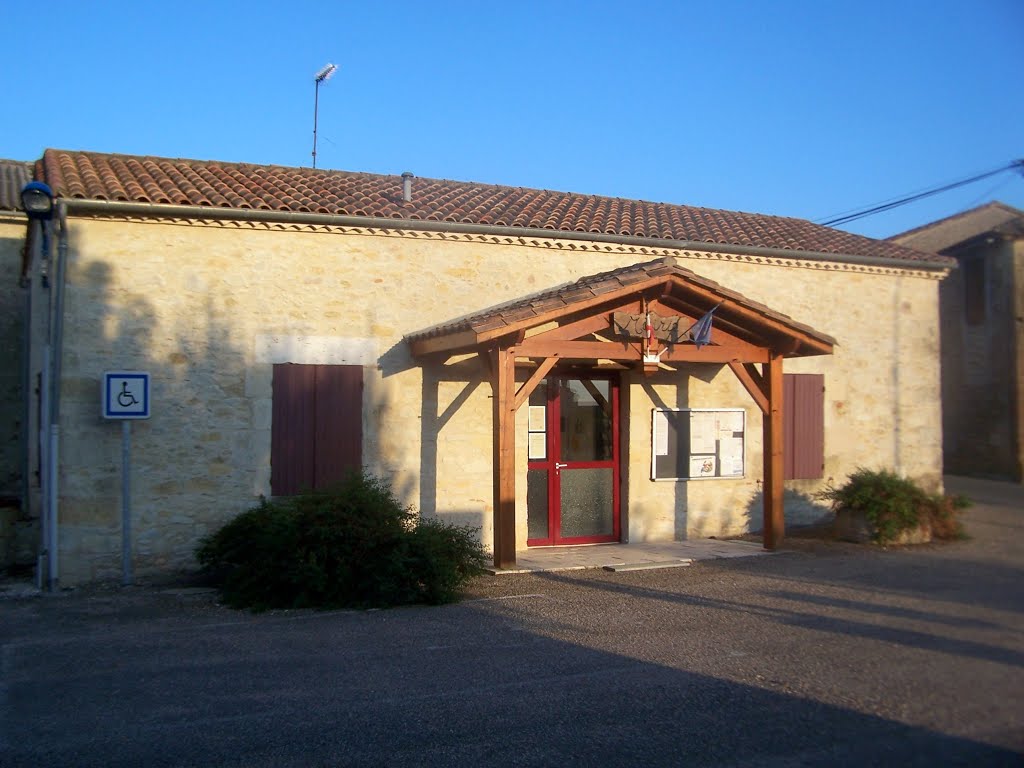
x: 354, y: 545
x: 892, y: 504
x: 445, y: 557
x: 943, y: 516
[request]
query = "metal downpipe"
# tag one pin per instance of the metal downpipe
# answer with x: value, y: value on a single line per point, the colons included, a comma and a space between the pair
x: 57, y: 354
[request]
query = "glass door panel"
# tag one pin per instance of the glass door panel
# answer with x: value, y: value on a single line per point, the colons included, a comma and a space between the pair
x: 539, y: 467
x: 537, y: 504
x: 586, y: 422
x: 572, y: 470
x: 587, y: 503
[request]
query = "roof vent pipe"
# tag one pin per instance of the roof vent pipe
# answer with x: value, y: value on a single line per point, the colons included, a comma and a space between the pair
x: 407, y: 178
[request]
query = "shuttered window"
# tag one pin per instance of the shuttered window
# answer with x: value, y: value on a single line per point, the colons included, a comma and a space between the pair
x: 975, y: 310
x: 803, y: 413
x: 316, y: 432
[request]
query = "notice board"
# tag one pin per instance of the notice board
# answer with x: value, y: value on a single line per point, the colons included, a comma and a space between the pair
x: 697, y: 443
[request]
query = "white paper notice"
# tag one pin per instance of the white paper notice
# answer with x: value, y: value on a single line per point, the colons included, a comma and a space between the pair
x: 660, y: 433
x: 730, y: 453
x: 537, y: 421
x: 702, y: 431
x: 538, y: 445
x: 702, y: 466
x: 730, y: 421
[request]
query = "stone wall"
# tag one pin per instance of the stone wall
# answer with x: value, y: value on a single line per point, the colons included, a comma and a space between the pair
x: 208, y: 309
x: 12, y: 405
x: 979, y: 367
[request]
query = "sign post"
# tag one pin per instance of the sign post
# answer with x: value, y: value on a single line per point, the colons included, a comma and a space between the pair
x: 125, y: 398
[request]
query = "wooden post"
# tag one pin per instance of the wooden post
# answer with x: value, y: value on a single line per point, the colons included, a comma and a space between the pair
x: 504, y: 382
x: 774, y: 519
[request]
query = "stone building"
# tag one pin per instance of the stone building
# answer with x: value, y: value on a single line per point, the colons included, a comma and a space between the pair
x: 17, y: 544
x: 982, y: 309
x: 527, y: 362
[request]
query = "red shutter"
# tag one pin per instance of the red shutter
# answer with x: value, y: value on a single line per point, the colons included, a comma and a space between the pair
x: 804, y: 419
x: 293, y: 418
x: 339, y: 422
x: 316, y: 432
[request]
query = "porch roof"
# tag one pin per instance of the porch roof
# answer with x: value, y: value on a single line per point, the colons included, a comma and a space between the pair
x: 661, y: 279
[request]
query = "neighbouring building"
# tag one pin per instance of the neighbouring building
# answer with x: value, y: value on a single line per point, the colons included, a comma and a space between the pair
x: 535, y: 364
x: 18, y: 544
x: 982, y: 329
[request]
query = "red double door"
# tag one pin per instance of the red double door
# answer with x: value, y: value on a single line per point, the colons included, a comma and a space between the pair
x: 572, y: 480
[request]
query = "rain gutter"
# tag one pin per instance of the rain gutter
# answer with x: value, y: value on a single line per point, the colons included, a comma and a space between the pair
x: 122, y: 208
x: 57, y: 350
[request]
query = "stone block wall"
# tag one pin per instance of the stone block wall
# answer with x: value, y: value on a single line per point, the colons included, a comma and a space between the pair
x: 195, y: 305
x: 979, y: 367
x: 12, y: 404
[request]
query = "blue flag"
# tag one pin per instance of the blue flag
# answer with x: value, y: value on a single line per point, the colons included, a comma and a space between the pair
x: 700, y: 333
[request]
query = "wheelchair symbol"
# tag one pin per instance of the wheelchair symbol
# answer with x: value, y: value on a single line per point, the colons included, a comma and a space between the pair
x: 124, y: 397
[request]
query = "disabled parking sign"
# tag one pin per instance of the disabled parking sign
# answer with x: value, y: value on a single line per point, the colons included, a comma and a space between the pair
x: 125, y: 395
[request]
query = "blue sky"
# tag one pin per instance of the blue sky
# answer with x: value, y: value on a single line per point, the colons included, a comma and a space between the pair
x: 803, y: 109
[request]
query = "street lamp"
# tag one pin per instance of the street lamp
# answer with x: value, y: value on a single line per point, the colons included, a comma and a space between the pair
x: 37, y: 200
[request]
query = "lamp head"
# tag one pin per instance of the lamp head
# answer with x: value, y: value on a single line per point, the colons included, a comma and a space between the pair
x: 37, y: 200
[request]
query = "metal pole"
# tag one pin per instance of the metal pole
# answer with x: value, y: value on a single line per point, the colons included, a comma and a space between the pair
x: 45, y: 563
x: 126, y: 506
x: 316, y: 106
x: 52, y: 540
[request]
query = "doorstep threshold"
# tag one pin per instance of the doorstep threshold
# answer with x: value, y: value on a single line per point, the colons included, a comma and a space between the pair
x: 621, y: 567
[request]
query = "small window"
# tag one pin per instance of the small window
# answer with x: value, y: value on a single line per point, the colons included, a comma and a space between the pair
x: 803, y: 417
x: 316, y: 431
x: 974, y: 290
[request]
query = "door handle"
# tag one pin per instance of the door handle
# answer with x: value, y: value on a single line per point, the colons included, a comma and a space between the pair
x: 560, y: 466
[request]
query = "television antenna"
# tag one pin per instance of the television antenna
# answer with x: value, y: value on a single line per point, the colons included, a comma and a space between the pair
x: 321, y: 77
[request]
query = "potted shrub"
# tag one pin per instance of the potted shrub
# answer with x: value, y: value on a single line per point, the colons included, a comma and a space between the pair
x: 881, y: 506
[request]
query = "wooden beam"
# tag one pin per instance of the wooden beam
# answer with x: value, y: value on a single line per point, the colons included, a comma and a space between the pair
x: 714, y: 353
x: 531, y: 383
x: 598, y: 350
x: 752, y: 386
x: 587, y: 325
x: 575, y: 306
x: 601, y: 321
x: 443, y: 343
x: 504, y: 459
x: 774, y: 517
x: 593, y: 350
x: 752, y: 320
x: 756, y: 376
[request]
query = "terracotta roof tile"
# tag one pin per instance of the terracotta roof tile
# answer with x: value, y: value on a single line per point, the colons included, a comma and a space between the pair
x: 87, y: 175
x: 14, y: 175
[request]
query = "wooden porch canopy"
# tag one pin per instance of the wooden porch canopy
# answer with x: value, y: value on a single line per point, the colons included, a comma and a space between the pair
x: 602, y: 319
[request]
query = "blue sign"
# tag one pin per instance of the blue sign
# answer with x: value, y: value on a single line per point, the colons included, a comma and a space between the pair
x: 125, y: 395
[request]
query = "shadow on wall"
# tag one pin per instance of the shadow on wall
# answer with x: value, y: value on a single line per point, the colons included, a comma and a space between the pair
x: 439, y: 488
x: 459, y: 382
x: 800, y: 509
x: 664, y: 392
x: 200, y: 459
x: 17, y: 545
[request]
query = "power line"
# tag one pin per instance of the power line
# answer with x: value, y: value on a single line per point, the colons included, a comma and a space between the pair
x: 880, y: 207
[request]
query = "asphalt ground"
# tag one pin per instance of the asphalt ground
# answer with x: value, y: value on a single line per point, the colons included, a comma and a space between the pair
x: 825, y: 654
